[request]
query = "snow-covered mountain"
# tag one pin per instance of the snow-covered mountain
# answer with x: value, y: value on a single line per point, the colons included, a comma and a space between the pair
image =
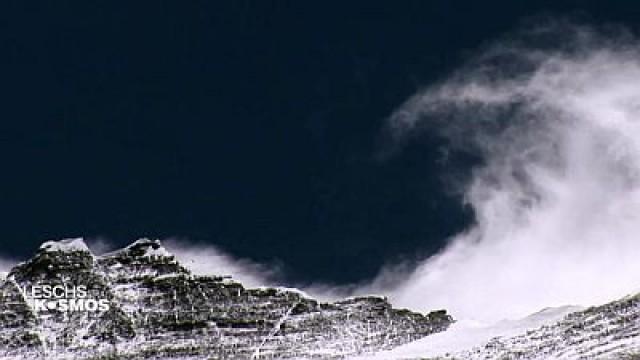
x: 157, y: 309
x: 606, y: 332
x: 160, y: 310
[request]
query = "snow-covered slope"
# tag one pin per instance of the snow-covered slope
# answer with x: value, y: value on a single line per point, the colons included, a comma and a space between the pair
x: 607, y: 332
x: 610, y: 331
x: 464, y: 335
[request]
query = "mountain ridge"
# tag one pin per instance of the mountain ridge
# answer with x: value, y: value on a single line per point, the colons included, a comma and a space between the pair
x: 160, y: 310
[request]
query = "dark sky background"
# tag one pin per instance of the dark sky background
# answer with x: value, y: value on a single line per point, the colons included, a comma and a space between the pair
x: 256, y: 126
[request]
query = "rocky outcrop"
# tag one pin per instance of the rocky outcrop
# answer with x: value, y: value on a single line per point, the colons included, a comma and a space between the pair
x: 160, y: 310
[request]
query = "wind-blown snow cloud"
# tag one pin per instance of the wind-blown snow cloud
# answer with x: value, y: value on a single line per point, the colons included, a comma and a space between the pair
x: 206, y: 259
x: 209, y: 260
x: 201, y: 259
x: 554, y: 114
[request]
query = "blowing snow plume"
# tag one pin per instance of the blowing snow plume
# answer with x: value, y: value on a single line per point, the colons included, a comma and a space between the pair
x: 202, y: 259
x: 554, y: 114
x: 207, y: 260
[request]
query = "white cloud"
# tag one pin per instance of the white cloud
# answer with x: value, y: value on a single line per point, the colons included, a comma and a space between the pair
x: 557, y: 197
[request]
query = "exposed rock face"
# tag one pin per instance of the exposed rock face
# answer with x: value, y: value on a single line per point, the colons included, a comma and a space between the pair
x: 159, y: 310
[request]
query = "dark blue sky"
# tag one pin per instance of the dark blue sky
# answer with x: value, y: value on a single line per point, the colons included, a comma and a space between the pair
x: 253, y: 125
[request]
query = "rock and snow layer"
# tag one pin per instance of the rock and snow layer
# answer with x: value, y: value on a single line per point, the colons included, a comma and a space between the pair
x: 160, y: 310
x: 610, y: 331
x: 606, y: 332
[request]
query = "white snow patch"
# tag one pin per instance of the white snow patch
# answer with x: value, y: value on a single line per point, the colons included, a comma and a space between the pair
x: 160, y: 252
x: 66, y: 245
x: 169, y: 276
x: 295, y: 290
x: 150, y: 251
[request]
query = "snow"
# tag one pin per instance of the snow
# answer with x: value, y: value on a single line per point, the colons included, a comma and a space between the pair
x: 292, y: 290
x: 149, y: 250
x: 169, y: 276
x: 466, y: 334
x: 66, y: 245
